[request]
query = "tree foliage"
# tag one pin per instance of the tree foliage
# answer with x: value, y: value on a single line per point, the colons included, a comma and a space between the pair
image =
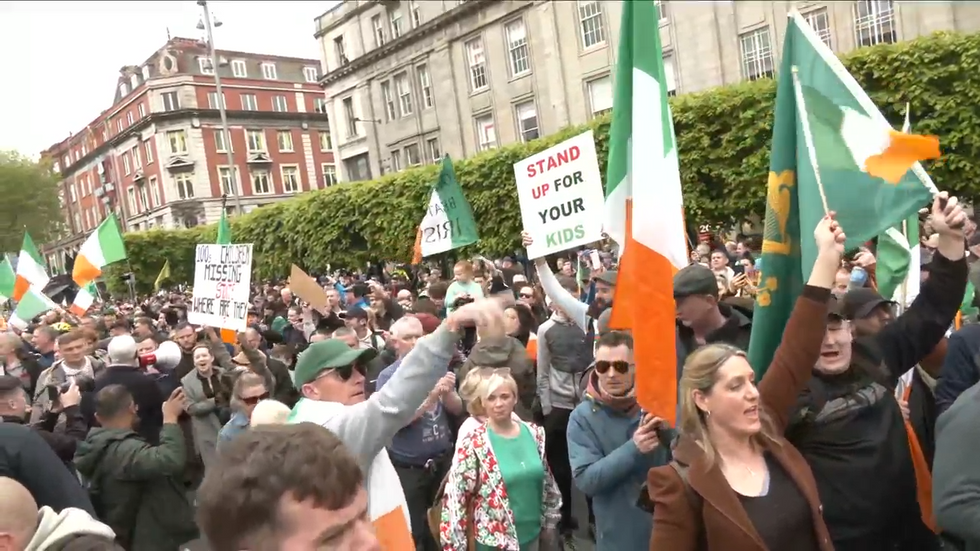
x: 28, y: 200
x: 723, y: 136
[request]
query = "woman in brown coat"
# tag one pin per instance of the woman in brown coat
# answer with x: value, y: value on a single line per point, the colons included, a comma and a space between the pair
x: 736, y: 484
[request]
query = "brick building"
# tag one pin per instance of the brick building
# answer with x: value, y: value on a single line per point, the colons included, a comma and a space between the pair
x: 158, y: 158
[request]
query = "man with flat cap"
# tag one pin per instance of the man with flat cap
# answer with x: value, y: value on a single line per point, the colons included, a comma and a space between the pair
x: 701, y: 317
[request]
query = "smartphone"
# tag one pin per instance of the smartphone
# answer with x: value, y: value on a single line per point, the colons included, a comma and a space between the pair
x: 596, y: 261
x: 738, y: 269
x: 858, y: 278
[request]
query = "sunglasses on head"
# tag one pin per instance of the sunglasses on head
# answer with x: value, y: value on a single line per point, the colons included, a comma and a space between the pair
x: 621, y: 366
x: 252, y: 400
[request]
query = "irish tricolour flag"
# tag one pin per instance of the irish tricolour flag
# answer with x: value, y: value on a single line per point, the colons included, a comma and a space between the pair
x: 83, y: 300
x: 31, y: 304
x: 643, y: 177
x: 448, y: 222
x: 30, y: 269
x: 103, y: 247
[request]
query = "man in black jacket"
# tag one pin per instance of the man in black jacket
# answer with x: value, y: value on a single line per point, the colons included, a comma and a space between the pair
x: 124, y: 370
x: 15, y: 408
x: 26, y: 458
x: 848, y: 424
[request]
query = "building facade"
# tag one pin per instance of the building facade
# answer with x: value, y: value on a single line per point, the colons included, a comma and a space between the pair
x: 407, y: 81
x: 158, y: 156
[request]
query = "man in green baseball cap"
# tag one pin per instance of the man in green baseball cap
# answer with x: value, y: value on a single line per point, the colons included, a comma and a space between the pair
x: 331, y: 371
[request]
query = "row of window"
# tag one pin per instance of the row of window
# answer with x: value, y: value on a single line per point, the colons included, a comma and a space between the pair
x: 874, y: 23
x: 400, y: 103
x: 239, y: 69
x: 261, y: 180
x: 413, y: 155
x: 393, y: 26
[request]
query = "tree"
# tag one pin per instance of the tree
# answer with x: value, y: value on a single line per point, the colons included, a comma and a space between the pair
x: 28, y: 200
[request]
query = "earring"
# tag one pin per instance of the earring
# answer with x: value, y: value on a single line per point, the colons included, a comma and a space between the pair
x: 707, y: 413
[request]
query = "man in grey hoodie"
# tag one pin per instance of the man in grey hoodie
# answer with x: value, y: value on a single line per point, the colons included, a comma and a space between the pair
x: 24, y: 526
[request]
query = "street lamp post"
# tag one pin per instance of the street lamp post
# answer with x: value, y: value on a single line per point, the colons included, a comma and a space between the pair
x: 221, y: 109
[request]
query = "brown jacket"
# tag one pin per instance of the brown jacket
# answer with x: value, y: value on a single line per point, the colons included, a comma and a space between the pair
x: 722, y: 521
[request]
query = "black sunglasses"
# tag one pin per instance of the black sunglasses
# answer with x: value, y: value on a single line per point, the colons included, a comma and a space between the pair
x: 621, y: 366
x: 252, y: 400
x: 347, y: 371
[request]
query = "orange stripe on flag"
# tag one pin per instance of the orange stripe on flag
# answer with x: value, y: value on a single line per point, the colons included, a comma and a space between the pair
x: 84, y: 271
x: 923, y: 478
x: 644, y: 303
x: 417, y: 250
x: 903, y: 151
x: 21, y: 287
x: 229, y: 336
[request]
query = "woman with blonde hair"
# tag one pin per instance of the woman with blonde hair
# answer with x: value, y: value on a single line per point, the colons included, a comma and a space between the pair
x: 499, y: 493
x: 250, y: 389
x: 736, y: 483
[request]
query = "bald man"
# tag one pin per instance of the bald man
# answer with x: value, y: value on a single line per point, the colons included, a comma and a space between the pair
x: 24, y: 527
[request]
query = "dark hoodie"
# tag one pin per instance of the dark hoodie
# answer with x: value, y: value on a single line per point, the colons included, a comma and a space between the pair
x: 735, y: 331
x: 506, y: 351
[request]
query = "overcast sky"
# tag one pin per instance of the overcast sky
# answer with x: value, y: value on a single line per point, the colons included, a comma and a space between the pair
x: 61, y: 59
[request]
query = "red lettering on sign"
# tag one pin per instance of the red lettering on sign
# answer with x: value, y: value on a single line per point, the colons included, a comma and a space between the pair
x: 553, y: 161
x: 224, y: 290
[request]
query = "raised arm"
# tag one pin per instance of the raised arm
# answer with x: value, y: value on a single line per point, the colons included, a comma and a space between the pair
x: 575, y: 309
x: 799, y: 350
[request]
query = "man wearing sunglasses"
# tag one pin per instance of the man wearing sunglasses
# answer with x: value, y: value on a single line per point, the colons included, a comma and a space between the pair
x: 330, y: 376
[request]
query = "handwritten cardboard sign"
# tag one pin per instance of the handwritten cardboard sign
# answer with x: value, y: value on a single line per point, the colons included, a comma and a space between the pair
x: 307, y: 289
x: 222, y: 285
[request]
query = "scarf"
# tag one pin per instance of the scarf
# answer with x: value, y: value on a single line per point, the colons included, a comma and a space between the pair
x: 624, y: 404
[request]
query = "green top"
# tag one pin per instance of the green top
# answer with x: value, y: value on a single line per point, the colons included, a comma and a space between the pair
x: 523, y: 474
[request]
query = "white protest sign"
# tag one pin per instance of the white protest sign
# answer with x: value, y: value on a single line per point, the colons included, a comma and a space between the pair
x: 222, y: 284
x: 560, y: 190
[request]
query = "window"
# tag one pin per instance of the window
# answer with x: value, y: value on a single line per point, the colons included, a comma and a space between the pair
x: 486, y: 134
x: 213, y: 100
x: 279, y: 104
x: 389, y: 101
x: 396, y: 23
x: 756, y: 54
x: 170, y: 101
x: 229, y: 185
x: 148, y: 151
x: 135, y: 154
x: 131, y: 195
x: 341, y: 50
x: 290, y: 178
x: 154, y: 190
x: 185, y: 186
x: 205, y: 64
x: 284, y: 138
x: 73, y: 193
x: 311, y: 74
x: 874, y: 22
x: 269, y: 71
x: 255, y: 140
x: 413, y: 155
x: 178, y: 142
x: 404, y: 90
x: 396, y: 160
x: 141, y: 190
x: 123, y: 90
x: 119, y: 128
x: 662, y: 9
x: 146, y: 72
x: 329, y: 174
x: 126, y: 168
x: 670, y: 75
x: 425, y: 86
x: 238, y: 68
x: 249, y: 103
x: 590, y: 17
x: 140, y: 110
x: 134, y: 81
x: 478, y: 65
x: 527, y: 121
x: 520, y: 55
x: 261, y: 183
x: 379, y: 31
x: 319, y: 105
x: 432, y: 147
x: 220, y: 145
x: 600, y: 95
x: 325, y: 141
x: 820, y: 22
x: 129, y: 122
x: 350, y: 118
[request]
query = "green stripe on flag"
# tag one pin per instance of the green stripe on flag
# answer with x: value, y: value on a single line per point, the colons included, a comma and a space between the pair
x: 448, y: 222
x: 224, y: 230
x: 7, y: 279
x: 111, y: 240
x: 32, y: 304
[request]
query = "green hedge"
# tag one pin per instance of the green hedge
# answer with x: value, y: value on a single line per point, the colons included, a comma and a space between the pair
x: 723, y: 137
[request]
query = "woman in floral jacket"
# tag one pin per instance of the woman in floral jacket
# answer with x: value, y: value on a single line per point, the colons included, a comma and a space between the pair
x: 500, y: 482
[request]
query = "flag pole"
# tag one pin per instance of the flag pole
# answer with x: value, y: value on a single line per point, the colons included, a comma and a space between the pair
x: 808, y: 137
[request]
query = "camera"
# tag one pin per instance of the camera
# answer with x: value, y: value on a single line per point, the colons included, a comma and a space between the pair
x: 462, y: 301
x: 84, y: 384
